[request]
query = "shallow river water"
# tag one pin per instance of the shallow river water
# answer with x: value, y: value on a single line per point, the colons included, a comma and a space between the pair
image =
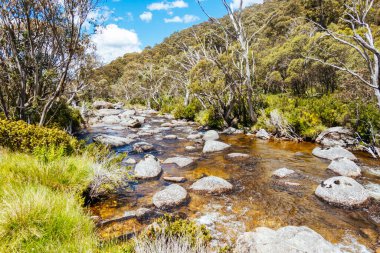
x: 257, y: 200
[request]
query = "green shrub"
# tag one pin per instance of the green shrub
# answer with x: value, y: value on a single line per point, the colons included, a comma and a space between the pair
x: 208, y: 118
x: 37, y: 219
x: 65, y: 117
x: 20, y: 136
x: 186, y: 112
x: 174, y: 227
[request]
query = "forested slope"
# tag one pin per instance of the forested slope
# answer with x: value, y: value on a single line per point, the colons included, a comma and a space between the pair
x: 198, y: 72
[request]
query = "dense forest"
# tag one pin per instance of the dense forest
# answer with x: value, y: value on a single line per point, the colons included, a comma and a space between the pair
x: 299, y: 70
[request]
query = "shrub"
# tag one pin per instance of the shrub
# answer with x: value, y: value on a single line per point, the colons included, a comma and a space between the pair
x: 20, y: 136
x: 186, y: 112
x: 37, y: 219
x: 65, y: 117
x: 208, y: 118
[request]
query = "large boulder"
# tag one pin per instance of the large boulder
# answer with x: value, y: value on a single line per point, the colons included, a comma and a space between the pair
x: 288, y: 239
x: 132, y: 123
x: 214, y: 146
x: 107, y: 112
x: 333, y: 153
x: 172, y: 196
x: 113, y: 119
x: 180, y: 161
x: 127, y: 114
x: 148, y: 168
x: 114, y: 141
x: 337, y: 136
x: 141, y: 147
x: 211, y: 135
x: 212, y: 185
x: 342, y: 191
x: 102, y: 105
x: 262, y: 134
x: 345, y: 167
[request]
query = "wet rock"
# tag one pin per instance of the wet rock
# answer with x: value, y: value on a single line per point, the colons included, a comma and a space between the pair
x: 212, y: 184
x: 116, y: 128
x: 172, y: 196
x: 262, y: 134
x: 175, y: 179
x: 337, y: 136
x: 283, y: 172
x: 211, y: 135
x: 342, y: 191
x: 180, y: 161
x: 140, y: 119
x: 144, y: 134
x: 170, y: 137
x: 107, y: 112
x: 130, y: 161
x: 288, y: 239
x: 150, y: 112
x: 118, y: 105
x: 102, y: 105
x: 167, y: 124
x: 345, y: 167
x: 148, y: 168
x: 144, y: 213
x: 141, y: 147
x: 133, y: 123
x: 230, y: 130
x: 238, y: 156
x: 113, y: 141
x: 214, y: 146
x: 373, y: 190
x: 194, y: 136
x: 333, y: 153
x: 190, y: 148
x: 128, y: 114
x: 111, y: 120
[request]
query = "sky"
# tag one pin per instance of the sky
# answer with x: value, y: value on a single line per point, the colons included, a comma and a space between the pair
x: 126, y: 26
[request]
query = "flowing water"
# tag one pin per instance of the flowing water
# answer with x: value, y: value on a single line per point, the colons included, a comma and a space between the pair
x: 257, y: 200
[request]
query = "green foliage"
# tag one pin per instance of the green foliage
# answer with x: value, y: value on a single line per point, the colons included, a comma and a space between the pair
x: 38, y: 219
x: 186, y: 112
x: 20, y: 136
x: 65, y: 117
x: 180, y: 228
x: 208, y: 118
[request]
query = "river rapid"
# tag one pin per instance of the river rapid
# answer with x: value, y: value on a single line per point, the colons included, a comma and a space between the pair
x: 258, y: 199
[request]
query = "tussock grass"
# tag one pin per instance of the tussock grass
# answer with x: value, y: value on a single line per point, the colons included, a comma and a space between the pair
x: 38, y: 219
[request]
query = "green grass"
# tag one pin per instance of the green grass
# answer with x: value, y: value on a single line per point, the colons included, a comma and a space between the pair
x: 41, y: 205
x: 38, y: 219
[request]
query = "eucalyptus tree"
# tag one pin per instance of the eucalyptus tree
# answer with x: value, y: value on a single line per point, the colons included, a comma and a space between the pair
x: 41, y: 43
x: 362, y: 39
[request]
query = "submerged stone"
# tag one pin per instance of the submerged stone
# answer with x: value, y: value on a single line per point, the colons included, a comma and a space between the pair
x: 214, y: 146
x: 212, y: 184
x: 333, y: 153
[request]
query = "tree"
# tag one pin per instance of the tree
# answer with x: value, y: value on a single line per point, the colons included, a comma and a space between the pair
x: 247, y: 61
x: 41, y: 43
x: 361, y: 39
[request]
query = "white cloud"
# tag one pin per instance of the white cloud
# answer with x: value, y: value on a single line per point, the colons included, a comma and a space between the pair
x: 167, y: 5
x: 118, y: 19
x: 97, y: 16
x: 185, y: 19
x: 146, y: 16
x: 129, y: 17
x: 236, y: 3
x: 112, y: 41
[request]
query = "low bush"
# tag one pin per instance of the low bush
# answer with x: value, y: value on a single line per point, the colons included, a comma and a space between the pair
x: 186, y: 112
x: 38, y: 219
x: 65, y: 117
x: 24, y: 137
x: 208, y: 118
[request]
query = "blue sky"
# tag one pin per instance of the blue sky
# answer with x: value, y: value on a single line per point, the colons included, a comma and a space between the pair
x: 131, y: 25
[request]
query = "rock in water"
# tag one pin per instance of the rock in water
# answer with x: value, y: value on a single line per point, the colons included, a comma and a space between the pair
x: 283, y: 172
x: 133, y: 123
x: 262, y: 134
x: 180, y: 161
x: 212, y: 184
x: 333, y: 153
x: 111, y: 119
x: 111, y: 140
x: 342, y: 191
x: 337, y: 136
x: 107, y: 112
x: 214, y: 146
x: 288, y: 239
x: 148, y: 168
x: 211, y: 135
x: 141, y: 147
x: 170, y: 137
x: 345, y: 167
x: 172, y: 196
x: 127, y: 114
x: 238, y: 156
x: 175, y: 179
x: 194, y: 136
